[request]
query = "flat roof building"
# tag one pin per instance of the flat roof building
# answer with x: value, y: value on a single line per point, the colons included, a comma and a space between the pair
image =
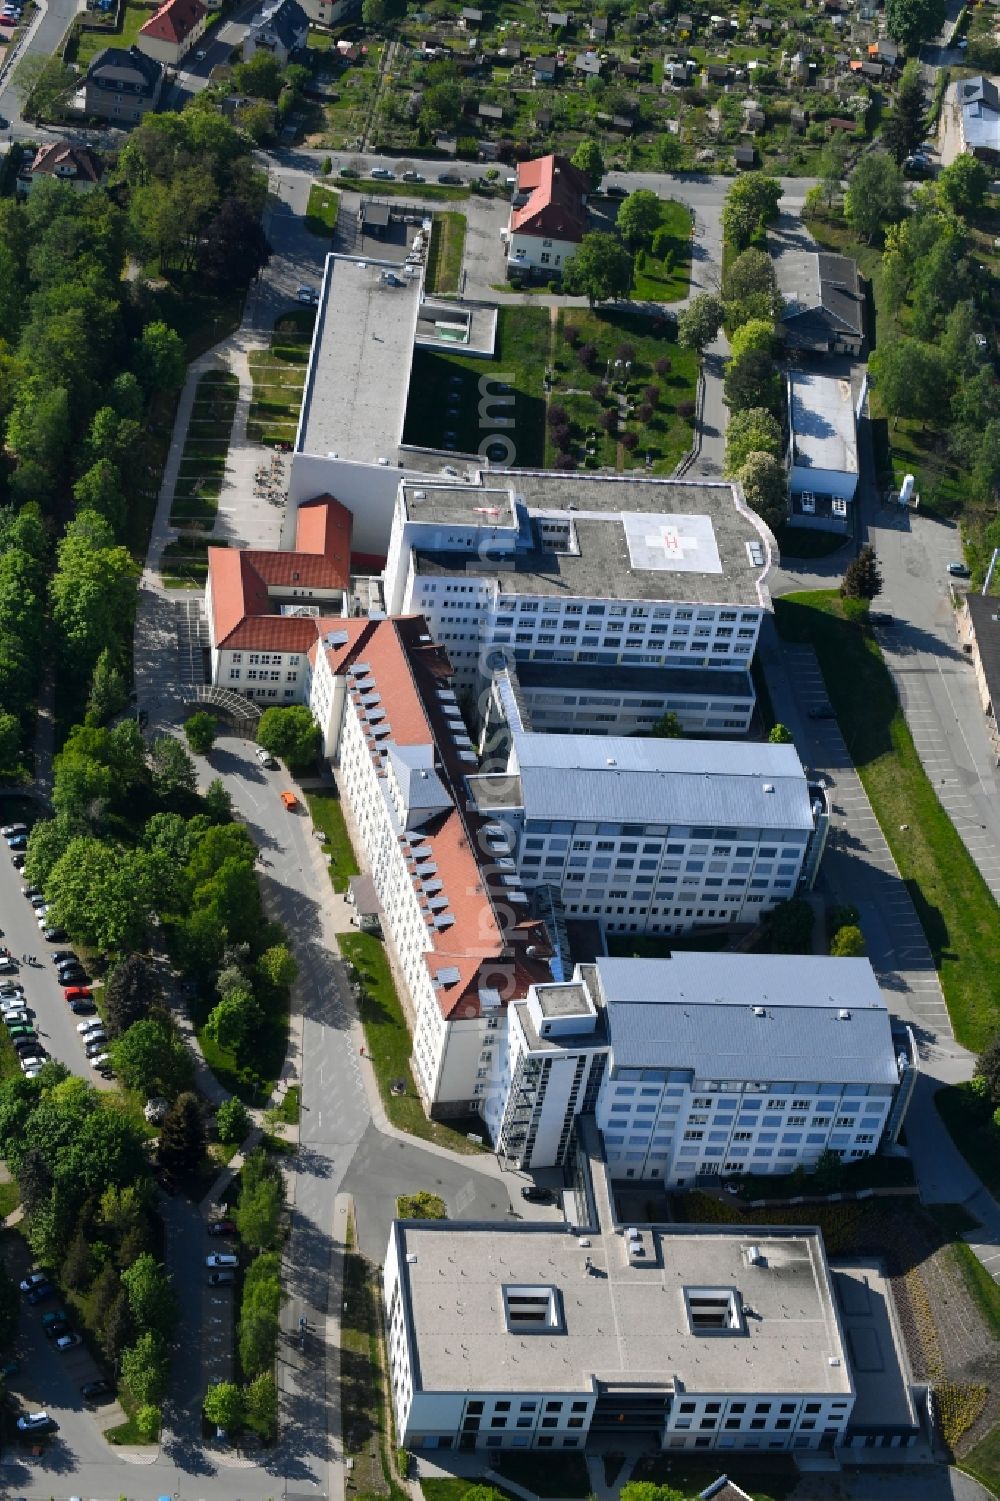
x: 822, y: 450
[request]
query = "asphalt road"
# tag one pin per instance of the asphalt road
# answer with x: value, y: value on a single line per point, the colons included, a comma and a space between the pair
x: 48, y: 33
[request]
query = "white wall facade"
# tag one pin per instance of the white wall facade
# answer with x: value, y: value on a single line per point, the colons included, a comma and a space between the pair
x: 804, y: 480
x: 170, y: 54
x: 613, y: 710
x: 272, y: 677
x: 534, y: 253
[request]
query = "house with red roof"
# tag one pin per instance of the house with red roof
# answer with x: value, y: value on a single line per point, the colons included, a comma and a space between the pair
x: 548, y: 218
x: 77, y: 166
x: 172, y: 31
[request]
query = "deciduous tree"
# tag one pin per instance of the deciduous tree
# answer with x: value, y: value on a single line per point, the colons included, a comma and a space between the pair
x: 752, y: 381
x: 909, y: 377
x: 291, y: 734
x: 862, y: 576
x: 912, y: 22
x: 149, y: 1057
x: 848, y: 943
x: 639, y: 217
x: 752, y: 430
x: 588, y: 158
x: 224, y: 1401
x: 875, y: 195
x: 765, y: 485
x: 151, y: 1298
x: 780, y: 734
x: 751, y: 203
x: 963, y: 183
x: 601, y: 270
x: 700, y: 321
x: 904, y: 128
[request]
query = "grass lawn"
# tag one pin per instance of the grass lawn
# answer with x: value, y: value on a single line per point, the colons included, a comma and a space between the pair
x: 288, y: 1111
x: 454, y: 1489
x: 388, y: 1043
x: 322, y: 211
x: 443, y: 407
x: 206, y: 444
x: 199, y: 317
x: 956, y: 909
x: 92, y: 42
x: 441, y: 191
x: 327, y: 816
x: 278, y: 374
x: 665, y: 437
x: 184, y: 562
x: 666, y: 278
x: 444, y: 257
x: 10, y: 1198
x: 972, y: 1131
x: 983, y: 1461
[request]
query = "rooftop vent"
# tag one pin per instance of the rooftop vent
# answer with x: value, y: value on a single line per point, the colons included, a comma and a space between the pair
x: 755, y: 1256
x: 843, y: 1015
x: 611, y: 761
x: 411, y: 1258
x: 759, y: 1011
x: 768, y: 786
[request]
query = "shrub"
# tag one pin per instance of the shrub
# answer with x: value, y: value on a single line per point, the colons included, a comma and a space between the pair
x: 560, y: 437
x: 625, y: 352
x: 685, y: 409
x: 565, y: 461
x: 644, y: 413
x: 571, y: 334
x: 609, y: 419
x: 587, y: 355
x: 326, y: 166
x: 557, y: 416
x: 651, y: 394
x: 663, y: 365
x: 640, y: 260
x: 600, y: 392
x: 629, y: 441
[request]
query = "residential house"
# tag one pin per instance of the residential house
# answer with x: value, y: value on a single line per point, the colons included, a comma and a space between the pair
x: 509, y: 53
x: 718, y: 73
x: 543, y: 120
x: 684, y: 22
x: 545, y: 69
x: 122, y: 85
x: 546, y: 229
x: 470, y: 17
x: 799, y: 117
x: 887, y: 53
x: 822, y: 458
x: 762, y: 27
x: 599, y: 29
x: 824, y: 302
x: 979, y: 101
x: 281, y: 29
x: 979, y: 632
x: 172, y: 31
x: 633, y: 68
x: 745, y: 157
x: 587, y: 63
x: 78, y: 166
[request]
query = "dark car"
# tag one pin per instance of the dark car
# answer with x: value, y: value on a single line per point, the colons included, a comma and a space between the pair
x: 615, y: 190
x: 18, y: 842
x: 536, y: 1195
x: 74, y: 977
x: 917, y: 166
x: 54, y: 935
x: 822, y: 711
x: 880, y: 617
x: 452, y: 179
x: 349, y: 172
x: 64, y: 956
x: 41, y: 1292
x: 56, y: 1328
x: 18, y: 861
x: 221, y: 1279
x: 95, y: 1391
x: 82, y: 1008
x: 222, y: 1227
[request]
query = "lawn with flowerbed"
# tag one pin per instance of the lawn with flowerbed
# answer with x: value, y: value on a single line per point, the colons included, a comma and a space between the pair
x: 206, y: 444
x: 665, y: 277
x: 279, y: 375
x: 444, y: 256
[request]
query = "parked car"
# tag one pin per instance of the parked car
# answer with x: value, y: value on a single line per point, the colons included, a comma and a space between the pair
x: 82, y: 1008
x: 21, y: 1031
x: 536, y: 1195
x: 17, y: 1018
x: 221, y: 1259
x: 36, y: 1422
x: 32, y: 1065
x: 36, y: 899
x: 18, y: 860
x: 17, y: 842
x: 94, y: 1391
x: 95, y: 1045
x: 13, y: 828
x: 68, y: 1342
x: 32, y: 1280
x: 615, y: 190
x: 265, y: 758
x: 222, y: 1227
x: 30, y: 892
x: 8, y: 966
x: 87, y: 1027
x: 78, y: 993
x: 306, y: 294
x: 414, y: 177
x: 958, y: 570
x: 54, y: 935
x: 382, y: 174
x: 64, y: 956
x: 72, y: 977
x: 41, y: 1292
x: 221, y: 1279
x: 102, y: 1063
x: 53, y: 1317
x: 9, y: 991
x: 450, y: 179
x: 57, y: 1329
x: 349, y: 172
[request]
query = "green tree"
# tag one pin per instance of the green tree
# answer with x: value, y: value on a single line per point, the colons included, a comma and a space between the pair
x: 639, y: 218
x: 668, y: 727
x: 174, y: 773
x: 10, y: 1309
x: 117, y: 1331
x: 161, y: 358
x: 373, y: 13
x: 144, y: 1369
x: 99, y: 489
x: 258, y: 1336
x: 848, y: 943
x: 260, y: 76
x: 44, y: 85
x: 151, y: 1299
x: 234, y: 1021
x: 875, y: 195
x: 441, y: 106
x: 669, y: 151
x: 601, y: 270
x: 587, y: 157
x: 201, y: 730
x: 752, y: 381
x: 904, y: 128
x: 234, y: 247
x: 261, y: 1398
x: 700, y: 321
x: 765, y: 485
x: 224, y: 1401
x: 862, y: 576
x: 751, y: 204
x: 756, y: 333
x: 790, y: 927
x: 752, y: 430
x: 963, y: 184
x: 10, y: 745
x: 112, y: 438
x: 647, y: 1490
x: 147, y: 1422
x: 780, y: 734
x: 912, y: 22
x: 217, y: 802
x: 93, y: 590
x: 909, y: 377
x: 828, y: 1174
x: 750, y: 289
x: 988, y: 1068
x: 232, y: 1121
x: 279, y: 966
x: 108, y: 690
x: 258, y: 1214
x: 150, y: 1058
x: 182, y: 1136
x: 103, y: 893
x: 131, y: 992
x: 291, y: 734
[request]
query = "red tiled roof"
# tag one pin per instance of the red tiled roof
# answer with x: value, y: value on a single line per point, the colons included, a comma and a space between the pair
x: 323, y: 526
x: 480, y: 946
x: 86, y: 163
x: 174, y: 21
x: 555, y: 208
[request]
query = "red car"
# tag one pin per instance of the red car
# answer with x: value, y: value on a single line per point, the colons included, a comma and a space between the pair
x: 222, y: 1227
x: 78, y: 993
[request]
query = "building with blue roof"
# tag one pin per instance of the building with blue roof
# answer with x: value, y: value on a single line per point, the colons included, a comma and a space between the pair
x: 979, y: 101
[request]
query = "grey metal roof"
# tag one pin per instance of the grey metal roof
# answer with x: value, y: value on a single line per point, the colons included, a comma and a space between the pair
x: 696, y: 1011
x: 413, y: 766
x: 823, y: 287
x: 663, y: 781
x: 980, y: 100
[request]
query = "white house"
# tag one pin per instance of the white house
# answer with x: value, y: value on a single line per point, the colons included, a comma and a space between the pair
x: 655, y: 835
x: 676, y: 1058
x: 549, y: 218
x: 172, y: 31
x: 822, y: 450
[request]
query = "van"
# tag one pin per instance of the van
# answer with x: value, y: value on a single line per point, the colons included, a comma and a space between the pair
x: 265, y: 758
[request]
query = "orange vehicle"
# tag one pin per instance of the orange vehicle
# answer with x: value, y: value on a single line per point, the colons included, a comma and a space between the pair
x: 290, y: 801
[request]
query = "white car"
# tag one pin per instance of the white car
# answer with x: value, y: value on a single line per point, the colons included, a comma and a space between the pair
x: 102, y: 1061
x: 220, y: 1259
x: 93, y: 1025
x: 33, y: 1071
x: 32, y: 1066
x: 10, y: 995
x: 34, y: 1420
